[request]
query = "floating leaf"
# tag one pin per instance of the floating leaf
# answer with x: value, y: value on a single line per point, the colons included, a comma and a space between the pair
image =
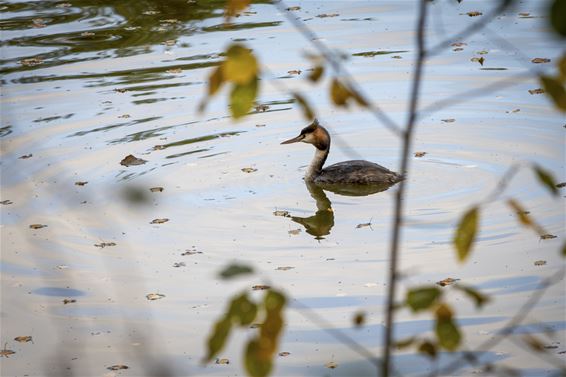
x: 248, y: 170
x: 242, y: 98
x: 80, y: 183
x: 450, y: 120
x: 331, y: 365
x: 540, y: 60
x: 37, y: 226
x: 536, y: 91
x: 316, y: 73
x: 26, y: 156
x: 447, y: 281
x: 294, y: 72
x: 23, y: 339
x: 420, y: 154
x: 557, y: 19
x: 6, y: 202
x: 154, y: 296
x: 428, y: 348
x: 555, y: 90
x: 447, y: 331
x: 156, y: 189
x: 474, y: 14
x: 284, y: 268
x: 69, y: 301
x: 222, y: 361
x: 422, y: 298
x: 118, y: 367
x: 547, y: 236
x: 102, y: 245
x: 240, y: 66
x: 546, y: 179
x: 478, y: 60
x: 219, y: 336
x: 282, y: 213
x: 235, y: 270
x: 284, y: 354
x: 540, y: 263
x: 159, y: 221
x: 479, y: 298
x: 260, y: 287
x: 308, y: 112
x: 466, y: 233
x: 130, y: 160
x: 6, y: 352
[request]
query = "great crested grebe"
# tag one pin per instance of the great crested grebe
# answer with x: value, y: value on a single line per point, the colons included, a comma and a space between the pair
x: 352, y: 172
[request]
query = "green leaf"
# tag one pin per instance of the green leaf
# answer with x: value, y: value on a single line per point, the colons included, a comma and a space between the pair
x: 240, y: 66
x: 554, y: 88
x: 562, y: 67
x: 557, y: 16
x: 546, y: 179
x: 563, y: 252
x: 308, y: 113
x: 316, y: 73
x: 479, y: 298
x: 422, y: 298
x: 242, y: 310
x: 218, y: 338
x: 524, y: 217
x: 447, y: 332
x: 339, y: 93
x: 215, y: 81
x: 233, y: 7
x: 242, y: 98
x: 257, y: 361
x: 234, y: 270
x: 466, y: 233
x: 428, y: 348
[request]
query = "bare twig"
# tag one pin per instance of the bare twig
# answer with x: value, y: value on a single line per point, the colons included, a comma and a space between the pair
x: 334, y: 61
x: 400, y: 194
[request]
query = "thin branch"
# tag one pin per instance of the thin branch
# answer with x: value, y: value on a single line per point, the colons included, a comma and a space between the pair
x: 334, y: 61
x: 400, y: 194
x: 468, y: 31
x: 509, y: 327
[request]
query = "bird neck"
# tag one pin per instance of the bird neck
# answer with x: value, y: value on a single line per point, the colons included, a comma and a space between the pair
x: 315, y: 168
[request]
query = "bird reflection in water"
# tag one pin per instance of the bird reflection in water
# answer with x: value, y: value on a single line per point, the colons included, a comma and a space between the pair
x: 320, y: 224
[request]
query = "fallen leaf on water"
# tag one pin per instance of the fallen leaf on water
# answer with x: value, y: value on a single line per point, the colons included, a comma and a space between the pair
x: 261, y: 108
x: 5, y: 352
x: 23, y: 339
x: 363, y: 225
x: 513, y: 111
x: 396, y: 57
x: 191, y: 252
x: 37, y: 226
x: 6, y: 202
x: 451, y: 120
x: 248, y: 170
x: 120, y: 90
x: 331, y: 365
x: 102, y: 245
x: 30, y: 62
x: 294, y: 72
x: 260, y: 125
x: 524, y: 14
x: 69, y: 301
x: 260, y: 287
x: 560, y: 185
x: 174, y: 70
x: 282, y: 213
x: 124, y: 116
x: 458, y: 44
x: 540, y: 263
x: 156, y: 189
x: 159, y: 221
x: 540, y: 60
x: 117, y: 367
x: 222, y: 361
x: 284, y: 354
x: 87, y: 34
x: 25, y: 156
x: 536, y: 91
x: 293, y: 8
x: 447, y: 281
x: 547, y: 236
x: 474, y: 14
x: 325, y: 15
x: 81, y: 183
x: 130, y: 160
x: 154, y: 296
x: 179, y: 264
x: 482, y: 52
x: 284, y: 268
x: 420, y: 154
x: 458, y: 49
x: 294, y: 231
x: 478, y: 60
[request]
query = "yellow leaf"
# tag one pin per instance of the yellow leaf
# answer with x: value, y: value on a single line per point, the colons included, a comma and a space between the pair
x: 524, y: 218
x: 316, y: 73
x: 466, y: 233
x: 339, y: 93
x: 242, y: 98
x: 554, y: 90
x: 240, y: 66
x: 308, y: 112
x: 215, y: 81
x: 234, y: 7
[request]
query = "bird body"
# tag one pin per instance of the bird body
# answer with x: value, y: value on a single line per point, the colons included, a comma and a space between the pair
x: 354, y: 172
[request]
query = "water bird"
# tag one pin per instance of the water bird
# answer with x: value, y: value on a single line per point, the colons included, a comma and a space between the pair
x: 354, y: 172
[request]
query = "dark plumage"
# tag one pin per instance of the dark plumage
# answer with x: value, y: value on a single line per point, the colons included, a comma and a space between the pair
x: 355, y: 172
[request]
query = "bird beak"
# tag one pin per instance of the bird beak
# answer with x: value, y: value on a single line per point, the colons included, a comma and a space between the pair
x: 294, y: 140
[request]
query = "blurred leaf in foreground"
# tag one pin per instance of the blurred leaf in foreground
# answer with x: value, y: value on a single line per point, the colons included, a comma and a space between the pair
x: 447, y: 332
x: 422, y: 298
x: 466, y: 233
x: 546, y: 179
x: 555, y: 90
x: 234, y: 270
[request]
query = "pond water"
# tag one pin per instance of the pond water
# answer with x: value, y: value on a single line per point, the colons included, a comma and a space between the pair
x: 88, y: 83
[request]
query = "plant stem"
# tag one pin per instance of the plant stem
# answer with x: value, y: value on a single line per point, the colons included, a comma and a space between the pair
x: 400, y: 194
